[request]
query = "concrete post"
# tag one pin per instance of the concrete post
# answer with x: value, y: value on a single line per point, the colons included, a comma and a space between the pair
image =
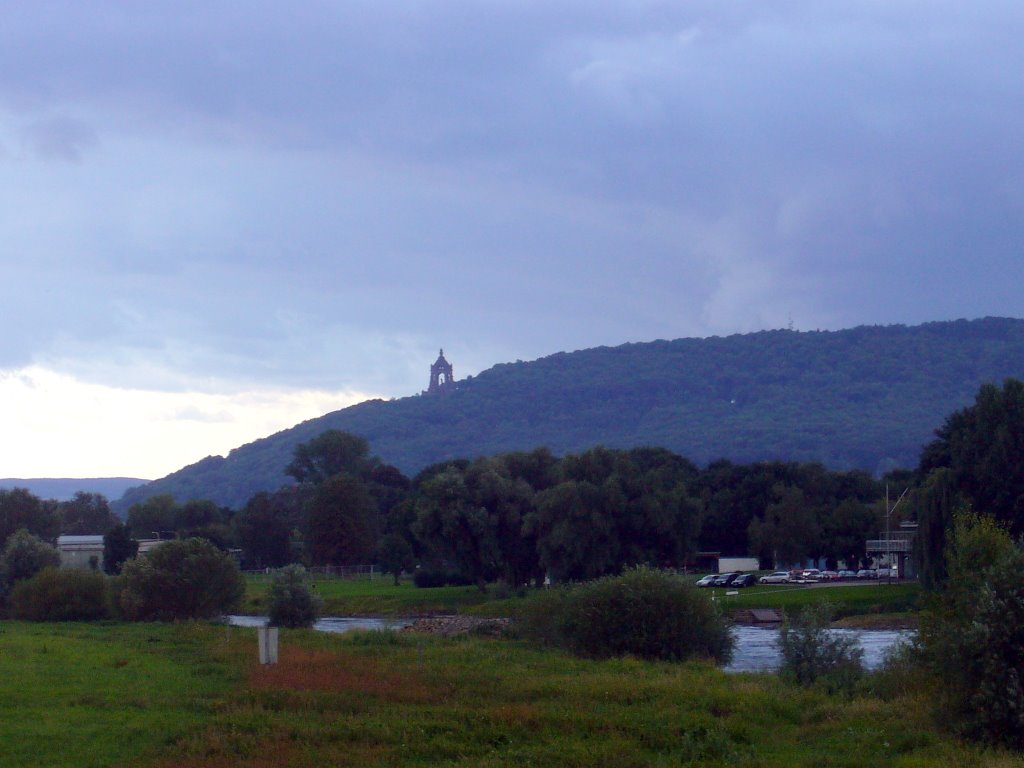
x: 268, y: 644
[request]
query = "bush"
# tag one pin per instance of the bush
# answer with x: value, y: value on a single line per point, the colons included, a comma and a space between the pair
x: 186, y: 579
x: 900, y: 674
x: 458, y: 579
x: 972, y: 637
x: 24, y: 555
x: 428, y: 579
x: 54, y: 594
x: 811, y: 655
x: 292, y: 602
x: 644, y: 613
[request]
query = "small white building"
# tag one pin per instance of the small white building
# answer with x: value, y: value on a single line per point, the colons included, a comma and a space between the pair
x: 80, y: 551
x: 730, y: 564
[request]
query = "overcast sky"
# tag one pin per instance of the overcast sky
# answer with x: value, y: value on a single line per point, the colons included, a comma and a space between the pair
x: 220, y: 218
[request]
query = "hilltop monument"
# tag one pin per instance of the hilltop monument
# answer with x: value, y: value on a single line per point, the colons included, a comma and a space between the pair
x: 442, y: 380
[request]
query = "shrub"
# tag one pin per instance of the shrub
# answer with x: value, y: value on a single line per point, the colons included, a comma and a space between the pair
x: 972, y: 637
x: 900, y: 674
x: 644, y: 613
x: 811, y: 655
x: 56, y: 594
x: 458, y: 579
x: 428, y: 579
x: 186, y: 579
x: 292, y: 602
x: 24, y: 555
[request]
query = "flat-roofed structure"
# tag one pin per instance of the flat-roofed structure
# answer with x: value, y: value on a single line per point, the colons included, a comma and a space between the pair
x: 80, y: 551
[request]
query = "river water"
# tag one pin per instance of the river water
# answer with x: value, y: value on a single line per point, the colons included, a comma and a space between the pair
x: 756, y: 650
x: 335, y: 624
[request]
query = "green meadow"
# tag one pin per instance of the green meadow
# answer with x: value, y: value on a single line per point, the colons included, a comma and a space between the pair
x: 376, y: 597
x: 194, y: 696
x: 104, y: 694
x: 848, y: 600
x: 380, y: 597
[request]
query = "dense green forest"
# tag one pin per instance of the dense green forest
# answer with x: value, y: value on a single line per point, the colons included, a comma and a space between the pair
x: 867, y: 398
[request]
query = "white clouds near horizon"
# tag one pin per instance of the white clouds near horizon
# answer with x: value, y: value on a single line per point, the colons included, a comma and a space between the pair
x: 75, y: 429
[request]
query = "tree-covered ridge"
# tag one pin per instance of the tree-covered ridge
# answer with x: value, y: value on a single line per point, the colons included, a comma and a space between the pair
x: 866, y: 398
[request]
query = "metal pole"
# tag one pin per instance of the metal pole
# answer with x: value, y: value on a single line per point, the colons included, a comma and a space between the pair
x: 888, y: 541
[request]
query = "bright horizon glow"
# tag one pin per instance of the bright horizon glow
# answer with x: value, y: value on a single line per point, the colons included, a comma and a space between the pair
x: 58, y: 426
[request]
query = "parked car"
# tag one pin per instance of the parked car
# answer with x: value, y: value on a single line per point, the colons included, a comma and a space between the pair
x: 707, y: 581
x: 847, y: 574
x: 744, y: 580
x: 811, y: 574
x: 725, y: 579
x: 865, y: 573
x: 779, y: 577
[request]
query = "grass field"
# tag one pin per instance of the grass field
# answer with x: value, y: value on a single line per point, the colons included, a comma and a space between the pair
x: 379, y: 597
x: 192, y: 696
x: 847, y: 599
x: 83, y: 695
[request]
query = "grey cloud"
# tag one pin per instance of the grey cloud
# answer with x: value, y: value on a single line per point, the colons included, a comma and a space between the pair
x: 322, y: 197
x: 59, y: 138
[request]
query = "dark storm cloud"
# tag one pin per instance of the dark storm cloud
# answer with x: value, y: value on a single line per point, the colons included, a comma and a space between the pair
x: 323, y: 195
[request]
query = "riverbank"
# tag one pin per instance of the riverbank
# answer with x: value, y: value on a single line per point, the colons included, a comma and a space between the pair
x: 382, y: 598
x: 881, y: 621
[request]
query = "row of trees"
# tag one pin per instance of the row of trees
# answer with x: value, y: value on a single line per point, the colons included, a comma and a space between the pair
x: 521, y: 516
x: 86, y: 513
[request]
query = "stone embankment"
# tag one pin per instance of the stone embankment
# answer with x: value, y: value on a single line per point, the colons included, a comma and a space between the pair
x: 448, y: 626
x: 756, y: 616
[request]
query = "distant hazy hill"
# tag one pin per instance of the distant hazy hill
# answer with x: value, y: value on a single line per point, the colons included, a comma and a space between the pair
x: 868, y: 397
x: 65, y: 488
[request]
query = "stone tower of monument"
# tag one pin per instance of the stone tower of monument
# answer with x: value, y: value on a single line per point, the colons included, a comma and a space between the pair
x: 441, y: 377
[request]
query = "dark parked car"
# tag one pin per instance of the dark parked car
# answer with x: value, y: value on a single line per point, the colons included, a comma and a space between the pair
x: 725, y: 579
x: 744, y: 580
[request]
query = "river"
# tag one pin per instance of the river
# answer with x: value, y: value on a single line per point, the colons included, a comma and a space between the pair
x: 757, y: 648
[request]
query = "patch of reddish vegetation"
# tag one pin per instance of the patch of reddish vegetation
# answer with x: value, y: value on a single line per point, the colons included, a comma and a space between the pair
x: 300, y: 669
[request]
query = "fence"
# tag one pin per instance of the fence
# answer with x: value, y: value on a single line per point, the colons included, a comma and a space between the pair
x: 368, y: 572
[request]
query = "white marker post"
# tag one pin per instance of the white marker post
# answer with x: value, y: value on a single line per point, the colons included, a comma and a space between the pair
x: 268, y: 644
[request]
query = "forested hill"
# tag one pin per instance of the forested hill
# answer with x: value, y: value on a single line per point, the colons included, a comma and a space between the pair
x: 868, y: 398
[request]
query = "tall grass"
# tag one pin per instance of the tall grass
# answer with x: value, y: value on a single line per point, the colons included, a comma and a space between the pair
x: 104, y: 694
x: 193, y: 696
